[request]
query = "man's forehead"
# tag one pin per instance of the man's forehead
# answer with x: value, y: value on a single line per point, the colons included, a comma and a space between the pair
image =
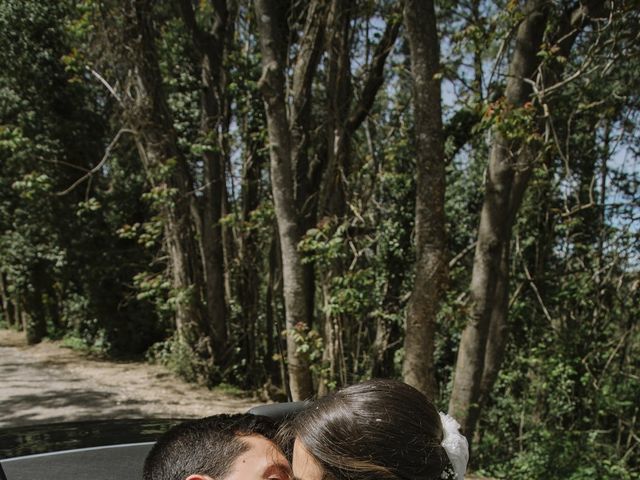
x: 261, y: 460
x: 255, y: 439
x: 259, y: 442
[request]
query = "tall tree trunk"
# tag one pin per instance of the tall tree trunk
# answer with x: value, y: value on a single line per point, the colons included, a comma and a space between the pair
x: 274, y: 326
x: 213, y: 255
x: 305, y: 67
x: 211, y: 47
x: 248, y: 253
x: 498, y: 323
x: 571, y: 24
x: 158, y: 145
x: 16, y: 300
x: 8, y: 309
x: 496, y: 341
x: 431, y: 264
x: 345, y: 117
x: 272, y: 83
x: 331, y: 195
x: 34, y: 306
x: 23, y: 315
x: 494, y: 229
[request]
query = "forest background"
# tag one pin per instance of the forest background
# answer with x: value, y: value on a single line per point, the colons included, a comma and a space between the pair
x: 291, y: 196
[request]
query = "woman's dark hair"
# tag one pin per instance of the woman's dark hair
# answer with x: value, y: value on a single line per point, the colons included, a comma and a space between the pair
x: 379, y: 429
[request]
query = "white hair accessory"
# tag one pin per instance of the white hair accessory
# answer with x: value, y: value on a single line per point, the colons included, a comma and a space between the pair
x: 455, y: 444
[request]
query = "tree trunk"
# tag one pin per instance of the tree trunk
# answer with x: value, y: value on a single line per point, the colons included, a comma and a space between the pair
x: 570, y: 25
x: 248, y: 254
x: 301, y: 93
x: 344, y: 118
x: 496, y: 341
x: 16, y: 300
x: 272, y: 85
x: 23, y: 315
x: 8, y: 310
x: 211, y: 48
x: 34, y: 305
x: 431, y: 264
x: 158, y: 144
x: 213, y: 255
x: 498, y: 327
x: 494, y: 230
x: 273, y: 325
x: 214, y: 185
x: 331, y: 195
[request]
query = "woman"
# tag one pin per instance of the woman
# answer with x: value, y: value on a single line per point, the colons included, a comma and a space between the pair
x: 380, y: 429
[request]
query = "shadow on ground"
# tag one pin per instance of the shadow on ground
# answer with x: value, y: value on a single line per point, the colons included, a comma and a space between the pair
x: 65, y: 405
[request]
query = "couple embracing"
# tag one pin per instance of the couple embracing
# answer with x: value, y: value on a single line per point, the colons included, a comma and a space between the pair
x: 375, y: 430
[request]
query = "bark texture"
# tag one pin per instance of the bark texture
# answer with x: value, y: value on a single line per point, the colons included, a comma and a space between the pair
x: 249, y: 254
x: 494, y: 228
x: 571, y: 24
x: 211, y: 48
x: 158, y: 147
x: 431, y: 264
x: 345, y: 116
x: 271, y: 26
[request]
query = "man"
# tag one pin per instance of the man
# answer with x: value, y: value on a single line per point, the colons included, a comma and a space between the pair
x: 221, y: 447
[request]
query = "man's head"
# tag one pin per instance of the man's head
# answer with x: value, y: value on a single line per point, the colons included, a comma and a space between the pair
x: 222, y: 447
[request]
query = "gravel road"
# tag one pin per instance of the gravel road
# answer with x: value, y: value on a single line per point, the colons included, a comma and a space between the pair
x: 48, y: 383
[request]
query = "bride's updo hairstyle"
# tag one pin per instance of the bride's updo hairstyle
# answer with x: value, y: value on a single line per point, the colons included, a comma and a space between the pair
x: 379, y: 429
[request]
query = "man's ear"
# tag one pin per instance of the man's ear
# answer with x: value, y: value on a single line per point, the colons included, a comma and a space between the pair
x: 198, y: 477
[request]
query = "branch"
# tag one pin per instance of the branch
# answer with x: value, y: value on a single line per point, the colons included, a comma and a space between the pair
x: 533, y: 284
x: 221, y: 19
x: 612, y: 355
x: 592, y: 203
x: 375, y: 76
x: 460, y: 129
x: 97, y: 168
x: 106, y: 84
x: 572, y: 24
x: 583, y: 70
x: 460, y: 256
x: 516, y: 294
x: 66, y: 164
x: 307, y: 58
x: 189, y: 18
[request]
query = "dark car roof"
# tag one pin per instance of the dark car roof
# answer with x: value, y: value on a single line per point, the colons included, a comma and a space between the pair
x: 54, y: 437
x: 112, y: 462
x: 94, y: 450
x: 97, y: 450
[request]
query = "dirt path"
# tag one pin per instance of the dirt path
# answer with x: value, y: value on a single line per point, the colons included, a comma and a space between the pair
x: 48, y: 383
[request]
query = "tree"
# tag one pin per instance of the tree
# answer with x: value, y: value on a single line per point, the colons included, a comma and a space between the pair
x: 345, y: 116
x: 212, y: 47
x: 430, y: 275
x: 493, y: 230
x: 510, y: 164
x: 149, y: 117
x: 272, y: 30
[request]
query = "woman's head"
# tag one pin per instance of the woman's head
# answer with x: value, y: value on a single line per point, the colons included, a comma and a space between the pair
x: 380, y: 429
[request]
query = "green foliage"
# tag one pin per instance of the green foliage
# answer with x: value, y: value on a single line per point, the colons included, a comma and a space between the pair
x: 93, y: 266
x: 323, y: 245
x: 308, y: 342
x: 564, y: 405
x: 180, y: 358
x: 515, y: 124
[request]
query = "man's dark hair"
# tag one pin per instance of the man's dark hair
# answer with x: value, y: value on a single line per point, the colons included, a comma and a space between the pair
x: 206, y: 446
